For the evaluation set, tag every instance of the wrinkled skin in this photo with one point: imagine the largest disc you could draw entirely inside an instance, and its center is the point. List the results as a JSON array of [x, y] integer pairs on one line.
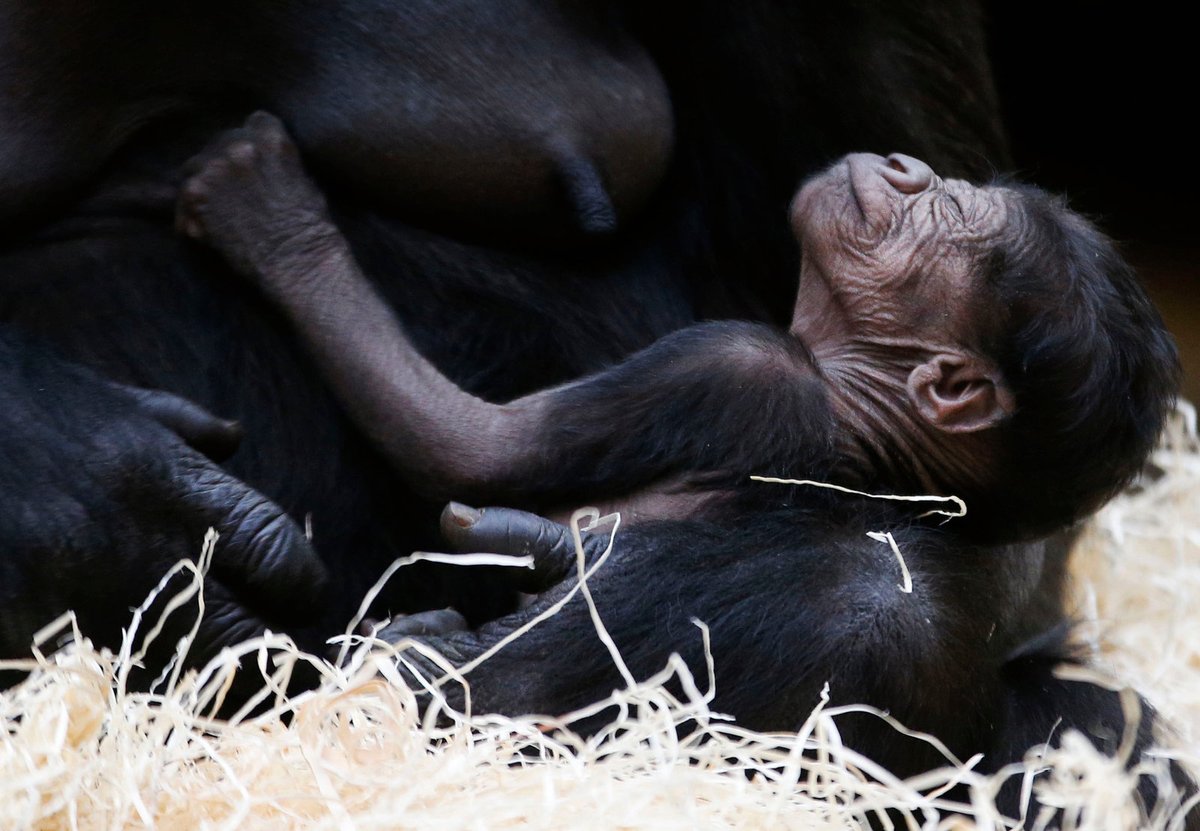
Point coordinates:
[[883, 260], [152, 456], [892, 266]]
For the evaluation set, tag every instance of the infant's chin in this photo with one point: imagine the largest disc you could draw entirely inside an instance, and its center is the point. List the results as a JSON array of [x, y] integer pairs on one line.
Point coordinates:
[[822, 197]]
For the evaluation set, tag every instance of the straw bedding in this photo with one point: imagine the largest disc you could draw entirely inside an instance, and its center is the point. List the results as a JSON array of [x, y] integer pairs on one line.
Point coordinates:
[[81, 751]]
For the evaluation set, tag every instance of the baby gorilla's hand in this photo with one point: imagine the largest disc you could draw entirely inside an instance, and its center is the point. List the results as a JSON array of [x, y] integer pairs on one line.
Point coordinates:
[[248, 196], [420, 624]]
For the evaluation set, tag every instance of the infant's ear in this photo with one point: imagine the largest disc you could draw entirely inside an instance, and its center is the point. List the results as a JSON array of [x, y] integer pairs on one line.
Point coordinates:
[[960, 393]]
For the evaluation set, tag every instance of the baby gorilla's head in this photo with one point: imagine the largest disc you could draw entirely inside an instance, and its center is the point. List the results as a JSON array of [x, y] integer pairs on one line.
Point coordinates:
[[1085, 353], [982, 341]]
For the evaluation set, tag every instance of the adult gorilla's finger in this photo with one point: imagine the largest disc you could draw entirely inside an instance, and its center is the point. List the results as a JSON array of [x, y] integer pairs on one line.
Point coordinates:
[[261, 554], [217, 438], [517, 533]]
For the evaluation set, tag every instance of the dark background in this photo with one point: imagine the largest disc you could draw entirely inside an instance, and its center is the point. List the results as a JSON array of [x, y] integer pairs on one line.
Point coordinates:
[[1099, 102]]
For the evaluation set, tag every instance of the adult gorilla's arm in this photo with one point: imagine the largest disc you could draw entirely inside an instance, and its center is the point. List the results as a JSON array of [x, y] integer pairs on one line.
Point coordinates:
[[103, 488]]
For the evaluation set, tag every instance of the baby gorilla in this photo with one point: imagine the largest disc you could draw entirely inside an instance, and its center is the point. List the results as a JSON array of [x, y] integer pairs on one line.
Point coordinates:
[[984, 342]]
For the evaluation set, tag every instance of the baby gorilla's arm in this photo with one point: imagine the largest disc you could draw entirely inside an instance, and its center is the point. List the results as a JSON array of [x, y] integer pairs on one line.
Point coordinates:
[[702, 399], [249, 198]]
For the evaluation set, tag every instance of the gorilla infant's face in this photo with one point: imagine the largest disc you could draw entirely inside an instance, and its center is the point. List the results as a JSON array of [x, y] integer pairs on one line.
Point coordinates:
[[890, 250]]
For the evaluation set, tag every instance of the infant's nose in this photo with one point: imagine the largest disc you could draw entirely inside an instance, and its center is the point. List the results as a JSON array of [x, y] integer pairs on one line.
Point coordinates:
[[906, 174]]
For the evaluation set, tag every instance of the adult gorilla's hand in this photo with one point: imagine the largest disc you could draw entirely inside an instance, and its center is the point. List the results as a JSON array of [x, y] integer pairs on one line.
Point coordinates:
[[104, 487]]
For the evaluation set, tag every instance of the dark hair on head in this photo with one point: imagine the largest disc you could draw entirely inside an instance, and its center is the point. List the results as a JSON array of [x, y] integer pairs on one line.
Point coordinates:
[[1090, 363]]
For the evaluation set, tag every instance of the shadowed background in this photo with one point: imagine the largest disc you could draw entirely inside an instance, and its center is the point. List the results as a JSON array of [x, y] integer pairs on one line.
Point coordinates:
[[1098, 100]]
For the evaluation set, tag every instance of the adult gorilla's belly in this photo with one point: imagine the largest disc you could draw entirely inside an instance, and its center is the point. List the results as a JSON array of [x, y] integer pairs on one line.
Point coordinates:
[[523, 117], [517, 119]]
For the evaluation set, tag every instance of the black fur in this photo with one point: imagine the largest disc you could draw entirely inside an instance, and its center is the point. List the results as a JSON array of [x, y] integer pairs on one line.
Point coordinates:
[[969, 655], [95, 288], [1088, 358]]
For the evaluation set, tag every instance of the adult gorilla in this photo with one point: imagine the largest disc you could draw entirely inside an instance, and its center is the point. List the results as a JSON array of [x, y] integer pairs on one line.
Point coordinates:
[[103, 483], [98, 493]]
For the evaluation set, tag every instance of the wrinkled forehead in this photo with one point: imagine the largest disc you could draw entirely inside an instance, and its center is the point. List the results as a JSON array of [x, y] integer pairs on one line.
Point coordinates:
[[1001, 225], [938, 258], [968, 223], [1035, 218], [982, 213], [944, 235]]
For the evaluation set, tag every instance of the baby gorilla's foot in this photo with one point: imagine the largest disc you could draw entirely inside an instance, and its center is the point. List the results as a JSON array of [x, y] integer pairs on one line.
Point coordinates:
[[247, 196]]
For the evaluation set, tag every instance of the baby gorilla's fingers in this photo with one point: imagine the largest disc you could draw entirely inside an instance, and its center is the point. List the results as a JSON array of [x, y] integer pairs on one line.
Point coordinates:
[[270, 132], [260, 130], [188, 220], [202, 172], [215, 163], [516, 533], [247, 196], [435, 622]]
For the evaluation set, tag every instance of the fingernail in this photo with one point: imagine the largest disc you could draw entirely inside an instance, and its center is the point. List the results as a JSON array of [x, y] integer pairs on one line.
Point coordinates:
[[463, 516]]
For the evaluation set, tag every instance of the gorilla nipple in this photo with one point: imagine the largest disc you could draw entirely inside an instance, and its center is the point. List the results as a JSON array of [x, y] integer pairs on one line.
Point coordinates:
[[587, 193]]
